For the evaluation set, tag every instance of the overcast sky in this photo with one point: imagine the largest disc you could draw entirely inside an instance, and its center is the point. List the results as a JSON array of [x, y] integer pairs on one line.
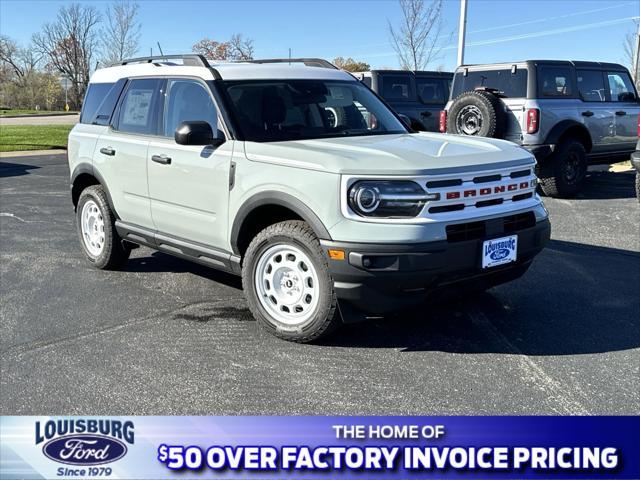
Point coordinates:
[[498, 30]]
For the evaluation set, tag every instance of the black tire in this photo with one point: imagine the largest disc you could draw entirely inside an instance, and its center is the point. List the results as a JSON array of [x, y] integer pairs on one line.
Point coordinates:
[[563, 173], [638, 186], [114, 253], [477, 113], [325, 317]]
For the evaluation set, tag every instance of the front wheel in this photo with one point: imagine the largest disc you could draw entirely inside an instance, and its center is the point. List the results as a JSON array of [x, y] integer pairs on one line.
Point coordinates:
[[287, 283], [563, 173]]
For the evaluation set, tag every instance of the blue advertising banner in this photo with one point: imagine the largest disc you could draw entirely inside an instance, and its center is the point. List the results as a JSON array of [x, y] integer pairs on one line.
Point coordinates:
[[319, 447]]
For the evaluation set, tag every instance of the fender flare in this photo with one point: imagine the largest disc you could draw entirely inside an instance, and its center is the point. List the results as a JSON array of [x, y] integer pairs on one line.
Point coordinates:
[[87, 168], [561, 128], [283, 200]]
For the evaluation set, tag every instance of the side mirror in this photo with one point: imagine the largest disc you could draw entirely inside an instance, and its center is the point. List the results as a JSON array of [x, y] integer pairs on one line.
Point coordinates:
[[196, 133]]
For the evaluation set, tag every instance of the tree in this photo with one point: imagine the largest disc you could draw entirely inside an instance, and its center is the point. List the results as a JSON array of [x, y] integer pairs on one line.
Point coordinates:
[[121, 36], [416, 39], [70, 44], [237, 48], [240, 48], [351, 65], [18, 62], [631, 53]]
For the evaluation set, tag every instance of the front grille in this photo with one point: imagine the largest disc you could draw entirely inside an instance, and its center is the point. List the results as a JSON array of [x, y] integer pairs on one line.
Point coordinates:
[[518, 222], [478, 190], [465, 231], [462, 232]]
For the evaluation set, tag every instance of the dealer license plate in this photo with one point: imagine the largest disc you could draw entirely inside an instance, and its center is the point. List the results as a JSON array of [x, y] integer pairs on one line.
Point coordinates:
[[499, 251]]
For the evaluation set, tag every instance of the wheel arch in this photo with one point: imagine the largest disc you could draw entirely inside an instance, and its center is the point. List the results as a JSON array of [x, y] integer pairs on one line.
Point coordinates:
[[570, 128], [83, 176], [266, 208]]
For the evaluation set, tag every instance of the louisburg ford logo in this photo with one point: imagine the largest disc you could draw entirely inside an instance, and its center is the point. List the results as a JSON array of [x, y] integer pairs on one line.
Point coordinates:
[[84, 442], [500, 250]]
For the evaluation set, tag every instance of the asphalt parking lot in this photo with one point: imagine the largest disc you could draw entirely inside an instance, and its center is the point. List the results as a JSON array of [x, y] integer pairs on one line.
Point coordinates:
[[169, 337]]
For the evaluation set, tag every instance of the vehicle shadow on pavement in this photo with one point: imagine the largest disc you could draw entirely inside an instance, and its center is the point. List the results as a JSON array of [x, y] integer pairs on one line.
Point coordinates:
[[15, 169], [608, 185], [575, 299], [162, 262]]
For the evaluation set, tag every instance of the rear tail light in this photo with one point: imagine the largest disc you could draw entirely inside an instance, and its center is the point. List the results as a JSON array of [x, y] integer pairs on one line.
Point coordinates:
[[443, 121], [533, 120]]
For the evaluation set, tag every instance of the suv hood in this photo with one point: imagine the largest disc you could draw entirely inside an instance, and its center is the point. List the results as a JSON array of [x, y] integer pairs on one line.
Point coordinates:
[[401, 154]]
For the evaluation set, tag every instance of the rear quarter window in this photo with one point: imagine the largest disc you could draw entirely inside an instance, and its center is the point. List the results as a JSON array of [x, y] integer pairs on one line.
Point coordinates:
[[397, 88], [512, 85], [555, 82], [96, 93]]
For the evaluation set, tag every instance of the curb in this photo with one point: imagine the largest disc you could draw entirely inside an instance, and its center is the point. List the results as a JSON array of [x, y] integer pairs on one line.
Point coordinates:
[[35, 115]]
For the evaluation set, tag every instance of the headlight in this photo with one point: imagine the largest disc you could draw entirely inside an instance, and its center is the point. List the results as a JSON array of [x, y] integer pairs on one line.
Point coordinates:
[[388, 198]]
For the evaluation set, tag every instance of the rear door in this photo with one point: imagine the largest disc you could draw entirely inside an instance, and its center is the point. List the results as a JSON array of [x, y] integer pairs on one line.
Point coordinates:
[[624, 103], [432, 93], [188, 184], [121, 152], [595, 111]]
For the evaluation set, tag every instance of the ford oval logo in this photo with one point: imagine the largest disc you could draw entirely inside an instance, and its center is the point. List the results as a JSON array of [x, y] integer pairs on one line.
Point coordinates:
[[499, 254], [84, 449]]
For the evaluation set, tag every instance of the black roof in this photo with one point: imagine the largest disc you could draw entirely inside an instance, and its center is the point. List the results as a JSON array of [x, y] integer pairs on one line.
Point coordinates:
[[574, 63], [414, 72]]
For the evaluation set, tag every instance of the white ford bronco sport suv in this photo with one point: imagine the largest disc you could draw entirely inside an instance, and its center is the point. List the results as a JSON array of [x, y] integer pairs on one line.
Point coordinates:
[[299, 178]]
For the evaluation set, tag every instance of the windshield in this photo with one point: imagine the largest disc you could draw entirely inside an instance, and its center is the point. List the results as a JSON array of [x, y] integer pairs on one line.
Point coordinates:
[[278, 110]]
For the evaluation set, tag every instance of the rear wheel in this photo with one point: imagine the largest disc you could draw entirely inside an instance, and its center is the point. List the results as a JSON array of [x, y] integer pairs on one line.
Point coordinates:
[[95, 221], [563, 173], [287, 283]]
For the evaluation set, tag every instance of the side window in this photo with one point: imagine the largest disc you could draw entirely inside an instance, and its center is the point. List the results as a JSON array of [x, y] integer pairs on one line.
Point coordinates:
[[139, 107], [591, 85], [620, 87], [397, 87], [432, 90], [188, 100], [555, 81], [96, 93]]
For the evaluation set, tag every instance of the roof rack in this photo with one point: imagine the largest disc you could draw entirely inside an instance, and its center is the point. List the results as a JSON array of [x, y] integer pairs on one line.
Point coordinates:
[[190, 59], [309, 62], [193, 60]]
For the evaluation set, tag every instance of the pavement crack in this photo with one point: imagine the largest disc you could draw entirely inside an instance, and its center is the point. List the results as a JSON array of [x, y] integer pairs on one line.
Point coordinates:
[[562, 397]]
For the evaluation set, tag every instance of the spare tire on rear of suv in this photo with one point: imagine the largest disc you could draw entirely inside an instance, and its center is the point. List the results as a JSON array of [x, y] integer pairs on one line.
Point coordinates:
[[478, 113]]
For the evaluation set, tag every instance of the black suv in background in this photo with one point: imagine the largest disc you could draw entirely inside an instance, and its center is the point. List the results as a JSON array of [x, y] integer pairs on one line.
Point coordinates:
[[419, 95]]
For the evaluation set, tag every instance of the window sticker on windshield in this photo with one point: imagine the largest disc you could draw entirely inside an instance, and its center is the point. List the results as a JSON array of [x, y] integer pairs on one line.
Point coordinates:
[[137, 107]]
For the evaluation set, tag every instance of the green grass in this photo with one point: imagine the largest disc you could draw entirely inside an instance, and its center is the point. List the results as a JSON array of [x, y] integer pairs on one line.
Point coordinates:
[[33, 137], [10, 113]]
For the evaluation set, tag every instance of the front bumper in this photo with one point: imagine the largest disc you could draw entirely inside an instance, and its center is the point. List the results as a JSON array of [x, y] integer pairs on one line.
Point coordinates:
[[378, 279], [635, 160]]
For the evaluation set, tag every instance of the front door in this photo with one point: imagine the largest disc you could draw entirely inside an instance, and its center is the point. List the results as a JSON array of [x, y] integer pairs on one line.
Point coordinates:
[[189, 185], [624, 103], [594, 109]]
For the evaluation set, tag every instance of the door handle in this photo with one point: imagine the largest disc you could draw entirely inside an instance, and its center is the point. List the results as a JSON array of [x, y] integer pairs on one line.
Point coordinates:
[[162, 159], [621, 113], [588, 113], [426, 113], [108, 151]]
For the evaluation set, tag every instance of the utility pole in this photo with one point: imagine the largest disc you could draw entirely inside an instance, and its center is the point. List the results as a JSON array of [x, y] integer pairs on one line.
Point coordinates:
[[462, 31], [636, 63]]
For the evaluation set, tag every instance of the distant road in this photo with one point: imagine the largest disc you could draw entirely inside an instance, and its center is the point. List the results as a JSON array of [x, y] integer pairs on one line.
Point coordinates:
[[42, 120]]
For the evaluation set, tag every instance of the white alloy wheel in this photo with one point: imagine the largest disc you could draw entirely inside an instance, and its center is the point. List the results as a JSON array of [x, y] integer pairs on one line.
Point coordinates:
[[287, 284], [92, 225]]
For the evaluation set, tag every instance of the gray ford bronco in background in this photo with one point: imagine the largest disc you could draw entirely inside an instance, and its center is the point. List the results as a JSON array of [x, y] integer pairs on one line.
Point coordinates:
[[563, 112], [270, 171], [419, 95]]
